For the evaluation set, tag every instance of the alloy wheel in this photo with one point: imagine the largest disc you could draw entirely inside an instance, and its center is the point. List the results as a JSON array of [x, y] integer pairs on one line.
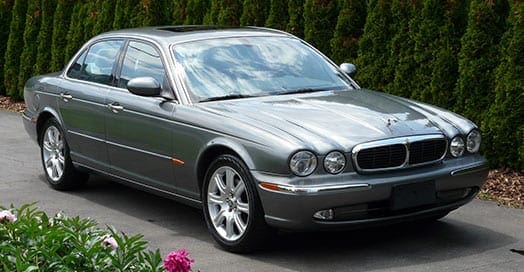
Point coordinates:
[[228, 203], [53, 153]]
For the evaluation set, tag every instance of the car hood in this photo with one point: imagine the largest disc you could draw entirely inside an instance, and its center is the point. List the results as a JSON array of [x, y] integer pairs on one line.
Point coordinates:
[[329, 120]]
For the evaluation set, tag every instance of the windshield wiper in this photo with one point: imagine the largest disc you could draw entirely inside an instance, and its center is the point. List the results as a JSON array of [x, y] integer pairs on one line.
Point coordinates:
[[303, 90], [226, 97]]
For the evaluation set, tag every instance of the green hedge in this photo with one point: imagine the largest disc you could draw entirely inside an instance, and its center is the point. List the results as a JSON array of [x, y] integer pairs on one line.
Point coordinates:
[[463, 55]]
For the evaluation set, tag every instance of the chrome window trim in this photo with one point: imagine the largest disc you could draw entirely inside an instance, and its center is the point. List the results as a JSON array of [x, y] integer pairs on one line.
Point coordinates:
[[86, 48], [405, 141], [166, 60]]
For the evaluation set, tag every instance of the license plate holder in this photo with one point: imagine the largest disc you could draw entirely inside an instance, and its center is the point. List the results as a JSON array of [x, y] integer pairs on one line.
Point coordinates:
[[404, 196]]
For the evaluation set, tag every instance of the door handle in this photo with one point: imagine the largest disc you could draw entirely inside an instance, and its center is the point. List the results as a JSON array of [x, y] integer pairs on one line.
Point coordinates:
[[66, 97], [115, 107]]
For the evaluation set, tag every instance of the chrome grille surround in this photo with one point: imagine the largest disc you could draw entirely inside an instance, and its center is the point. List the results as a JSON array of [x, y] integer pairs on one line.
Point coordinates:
[[405, 141]]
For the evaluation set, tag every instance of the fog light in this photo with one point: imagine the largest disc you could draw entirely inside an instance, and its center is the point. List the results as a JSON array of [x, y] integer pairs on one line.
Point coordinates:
[[325, 214]]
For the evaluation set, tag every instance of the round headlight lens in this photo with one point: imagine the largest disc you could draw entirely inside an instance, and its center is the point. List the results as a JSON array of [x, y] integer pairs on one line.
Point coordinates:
[[303, 163], [473, 141], [334, 162], [456, 148]]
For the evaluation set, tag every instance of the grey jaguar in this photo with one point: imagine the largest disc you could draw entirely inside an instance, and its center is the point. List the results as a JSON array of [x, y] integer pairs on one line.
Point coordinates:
[[254, 126]]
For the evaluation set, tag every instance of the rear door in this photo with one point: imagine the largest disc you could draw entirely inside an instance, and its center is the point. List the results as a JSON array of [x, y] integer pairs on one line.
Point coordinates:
[[139, 131], [82, 102]]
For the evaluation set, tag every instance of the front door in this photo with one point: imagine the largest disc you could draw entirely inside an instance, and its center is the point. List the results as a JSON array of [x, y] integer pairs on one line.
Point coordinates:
[[139, 133]]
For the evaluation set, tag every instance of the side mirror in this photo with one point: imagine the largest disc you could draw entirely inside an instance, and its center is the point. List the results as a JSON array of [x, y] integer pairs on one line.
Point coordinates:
[[348, 68], [144, 86]]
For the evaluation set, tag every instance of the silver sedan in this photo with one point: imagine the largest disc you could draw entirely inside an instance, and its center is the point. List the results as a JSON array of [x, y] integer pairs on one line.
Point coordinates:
[[254, 126]]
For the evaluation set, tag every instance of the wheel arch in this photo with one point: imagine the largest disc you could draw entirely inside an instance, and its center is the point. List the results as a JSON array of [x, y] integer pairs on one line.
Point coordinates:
[[43, 116], [215, 148]]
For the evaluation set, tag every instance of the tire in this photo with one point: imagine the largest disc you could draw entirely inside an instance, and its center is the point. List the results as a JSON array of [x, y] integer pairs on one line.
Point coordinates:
[[56, 161], [232, 208]]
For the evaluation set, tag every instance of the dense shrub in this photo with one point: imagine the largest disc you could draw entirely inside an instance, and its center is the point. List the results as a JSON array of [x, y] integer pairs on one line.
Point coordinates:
[[350, 26], [405, 21], [211, 16], [5, 19], [154, 12], [504, 124], [296, 18], [230, 12], [254, 12], [44, 39], [278, 15], [75, 35], [15, 46], [28, 56], [61, 22], [105, 17], [196, 10], [91, 10], [320, 19], [374, 47], [30, 240], [444, 67], [179, 12], [478, 57]]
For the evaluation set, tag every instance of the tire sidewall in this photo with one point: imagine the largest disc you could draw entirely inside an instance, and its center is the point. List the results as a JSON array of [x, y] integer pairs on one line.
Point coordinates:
[[254, 206], [67, 161]]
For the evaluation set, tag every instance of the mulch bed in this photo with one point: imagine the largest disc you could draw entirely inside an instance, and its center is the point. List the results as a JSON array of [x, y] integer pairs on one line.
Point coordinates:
[[9, 104], [505, 186]]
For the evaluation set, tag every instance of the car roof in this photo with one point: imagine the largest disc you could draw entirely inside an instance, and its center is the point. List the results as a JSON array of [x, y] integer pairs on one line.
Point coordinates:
[[179, 34]]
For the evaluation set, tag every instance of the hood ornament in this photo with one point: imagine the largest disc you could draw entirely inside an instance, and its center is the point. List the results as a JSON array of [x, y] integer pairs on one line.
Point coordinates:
[[390, 121]]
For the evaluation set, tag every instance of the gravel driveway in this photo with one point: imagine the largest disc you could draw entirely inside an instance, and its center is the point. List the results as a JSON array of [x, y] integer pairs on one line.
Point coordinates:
[[477, 237]]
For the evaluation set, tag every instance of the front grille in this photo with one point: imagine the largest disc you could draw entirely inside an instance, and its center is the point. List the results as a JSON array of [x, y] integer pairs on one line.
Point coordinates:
[[393, 153], [426, 151], [382, 157]]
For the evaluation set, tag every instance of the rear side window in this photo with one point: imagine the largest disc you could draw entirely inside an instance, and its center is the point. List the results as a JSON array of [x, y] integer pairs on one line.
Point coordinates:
[[141, 60], [97, 65]]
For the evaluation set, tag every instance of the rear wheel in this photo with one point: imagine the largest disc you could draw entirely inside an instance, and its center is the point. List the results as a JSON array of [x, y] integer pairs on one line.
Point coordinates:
[[58, 167], [232, 208]]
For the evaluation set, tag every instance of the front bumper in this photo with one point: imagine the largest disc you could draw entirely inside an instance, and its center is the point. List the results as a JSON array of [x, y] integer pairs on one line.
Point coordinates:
[[360, 200]]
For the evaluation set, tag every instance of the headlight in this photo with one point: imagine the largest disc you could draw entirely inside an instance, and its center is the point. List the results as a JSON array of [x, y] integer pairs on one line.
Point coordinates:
[[457, 146], [473, 141], [303, 163], [334, 162]]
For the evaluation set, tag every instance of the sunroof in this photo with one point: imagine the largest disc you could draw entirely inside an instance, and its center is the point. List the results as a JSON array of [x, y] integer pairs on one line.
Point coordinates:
[[189, 28]]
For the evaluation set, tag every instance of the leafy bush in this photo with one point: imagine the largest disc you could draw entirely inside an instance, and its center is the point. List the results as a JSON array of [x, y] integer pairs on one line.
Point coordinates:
[[32, 241]]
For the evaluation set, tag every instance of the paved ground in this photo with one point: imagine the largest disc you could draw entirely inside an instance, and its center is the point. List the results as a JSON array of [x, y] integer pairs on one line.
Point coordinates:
[[477, 237]]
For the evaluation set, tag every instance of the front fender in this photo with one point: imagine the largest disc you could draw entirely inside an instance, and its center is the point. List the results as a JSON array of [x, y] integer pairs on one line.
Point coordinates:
[[222, 142]]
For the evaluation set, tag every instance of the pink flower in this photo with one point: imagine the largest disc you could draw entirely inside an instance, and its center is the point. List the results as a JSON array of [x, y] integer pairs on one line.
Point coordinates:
[[178, 261], [109, 241], [7, 216]]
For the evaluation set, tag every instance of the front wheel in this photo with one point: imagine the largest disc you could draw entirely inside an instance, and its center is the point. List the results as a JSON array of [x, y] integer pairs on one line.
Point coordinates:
[[58, 167], [232, 209]]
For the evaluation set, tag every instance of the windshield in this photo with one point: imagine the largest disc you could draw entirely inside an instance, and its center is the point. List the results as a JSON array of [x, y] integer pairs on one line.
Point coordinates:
[[254, 66]]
